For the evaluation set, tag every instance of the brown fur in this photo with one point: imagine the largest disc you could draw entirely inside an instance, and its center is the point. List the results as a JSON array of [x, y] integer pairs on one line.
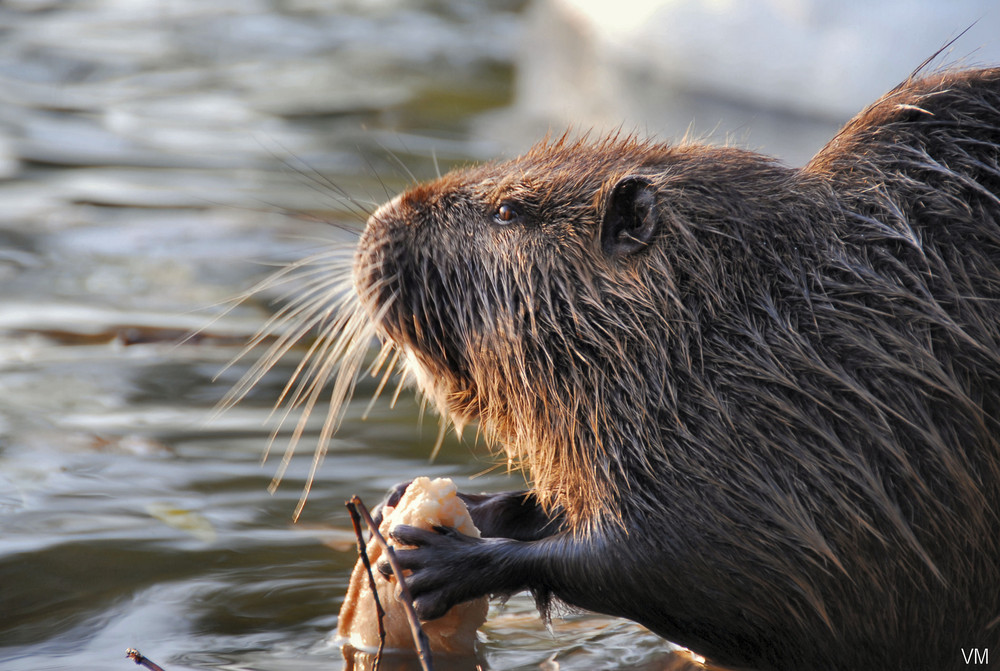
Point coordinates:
[[766, 414]]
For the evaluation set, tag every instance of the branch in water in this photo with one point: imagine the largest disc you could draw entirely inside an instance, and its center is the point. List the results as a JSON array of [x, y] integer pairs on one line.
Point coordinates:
[[137, 657], [363, 553], [420, 639]]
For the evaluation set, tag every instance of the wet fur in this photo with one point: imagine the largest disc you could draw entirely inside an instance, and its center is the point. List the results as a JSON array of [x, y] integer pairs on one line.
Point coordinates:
[[768, 430]]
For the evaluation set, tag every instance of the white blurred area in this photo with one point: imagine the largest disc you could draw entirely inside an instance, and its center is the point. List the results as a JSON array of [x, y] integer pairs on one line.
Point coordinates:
[[774, 75]]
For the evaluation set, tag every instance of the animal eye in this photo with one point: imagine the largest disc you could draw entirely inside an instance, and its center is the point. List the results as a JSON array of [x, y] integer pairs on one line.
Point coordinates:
[[505, 213]]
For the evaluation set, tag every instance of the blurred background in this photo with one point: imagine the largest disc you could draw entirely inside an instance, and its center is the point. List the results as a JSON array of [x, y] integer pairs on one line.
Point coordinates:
[[159, 157]]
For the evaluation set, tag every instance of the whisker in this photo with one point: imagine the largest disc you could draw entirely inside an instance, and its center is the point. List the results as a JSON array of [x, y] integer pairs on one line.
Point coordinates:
[[390, 369], [342, 390], [319, 311], [310, 387], [287, 326], [330, 347], [399, 387], [399, 161], [442, 430], [422, 412], [381, 385], [486, 471], [374, 172], [318, 181], [299, 320], [387, 347]]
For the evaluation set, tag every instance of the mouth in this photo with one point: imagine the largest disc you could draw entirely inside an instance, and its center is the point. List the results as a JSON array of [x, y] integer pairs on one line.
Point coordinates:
[[403, 293], [404, 337]]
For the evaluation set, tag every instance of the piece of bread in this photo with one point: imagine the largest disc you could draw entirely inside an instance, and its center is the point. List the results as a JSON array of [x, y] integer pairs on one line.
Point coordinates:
[[426, 503]]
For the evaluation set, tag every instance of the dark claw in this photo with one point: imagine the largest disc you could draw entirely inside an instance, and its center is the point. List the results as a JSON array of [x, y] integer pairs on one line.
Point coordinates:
[[409, 541], [429, 609], [404, 534]]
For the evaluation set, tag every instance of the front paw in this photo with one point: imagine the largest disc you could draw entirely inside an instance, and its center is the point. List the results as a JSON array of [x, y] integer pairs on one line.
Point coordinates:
[[446, 567]]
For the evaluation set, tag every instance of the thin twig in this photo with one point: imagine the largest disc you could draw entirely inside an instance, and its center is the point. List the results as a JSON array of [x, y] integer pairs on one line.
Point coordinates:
[[420, 639], [363, 553], [137, 657]]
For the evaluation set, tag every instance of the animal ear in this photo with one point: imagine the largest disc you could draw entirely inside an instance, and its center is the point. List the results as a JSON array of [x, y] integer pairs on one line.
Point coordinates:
[[630, 217]]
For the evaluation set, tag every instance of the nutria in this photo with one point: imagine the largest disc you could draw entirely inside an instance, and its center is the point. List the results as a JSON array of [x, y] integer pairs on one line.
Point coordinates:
[[759, 405]]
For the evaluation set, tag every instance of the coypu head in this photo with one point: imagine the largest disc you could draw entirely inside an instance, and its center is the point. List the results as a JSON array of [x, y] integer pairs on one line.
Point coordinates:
[[468, 271], [538, 297]]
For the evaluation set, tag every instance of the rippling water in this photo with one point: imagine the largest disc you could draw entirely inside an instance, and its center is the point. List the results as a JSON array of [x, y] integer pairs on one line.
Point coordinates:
[[156, 157]]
